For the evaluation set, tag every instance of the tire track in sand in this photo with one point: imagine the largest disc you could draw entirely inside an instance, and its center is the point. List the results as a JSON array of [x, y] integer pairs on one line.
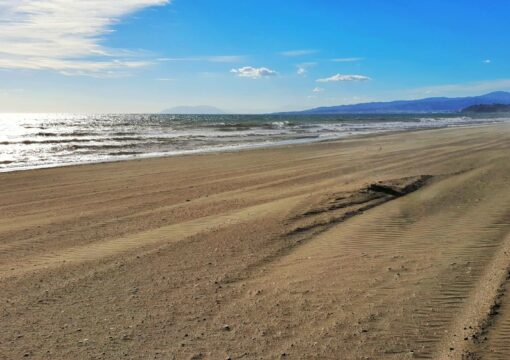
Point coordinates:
[[165, 234], [401, 281]]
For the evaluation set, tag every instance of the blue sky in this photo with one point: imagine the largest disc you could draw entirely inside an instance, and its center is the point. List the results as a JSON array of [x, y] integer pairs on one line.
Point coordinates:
[[246, 56]]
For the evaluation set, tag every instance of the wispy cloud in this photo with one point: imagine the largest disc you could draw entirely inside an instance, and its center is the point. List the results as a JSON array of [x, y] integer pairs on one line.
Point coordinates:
[[302, 69], [165, 79], [340, 77], [295, 53], [318, 90], [216, 58], [65, 35], [348, 59], [253, 73], [110, 68]]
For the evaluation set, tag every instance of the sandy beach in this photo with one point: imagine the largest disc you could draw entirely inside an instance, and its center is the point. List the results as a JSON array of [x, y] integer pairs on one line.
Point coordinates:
[[393, 246]]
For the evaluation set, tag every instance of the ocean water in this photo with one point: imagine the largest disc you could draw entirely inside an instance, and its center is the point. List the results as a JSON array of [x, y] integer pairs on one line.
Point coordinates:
[[45, 140]]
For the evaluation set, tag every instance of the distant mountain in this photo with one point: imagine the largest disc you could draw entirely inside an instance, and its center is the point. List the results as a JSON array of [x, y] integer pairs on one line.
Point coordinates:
[[489, 108], [429, 105], [201, 109]]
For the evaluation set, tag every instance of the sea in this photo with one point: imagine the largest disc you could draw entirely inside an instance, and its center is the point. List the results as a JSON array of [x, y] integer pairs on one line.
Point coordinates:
[[29, 141]]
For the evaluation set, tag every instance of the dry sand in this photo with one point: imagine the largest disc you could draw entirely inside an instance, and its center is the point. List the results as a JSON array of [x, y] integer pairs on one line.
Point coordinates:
[[385, 247]]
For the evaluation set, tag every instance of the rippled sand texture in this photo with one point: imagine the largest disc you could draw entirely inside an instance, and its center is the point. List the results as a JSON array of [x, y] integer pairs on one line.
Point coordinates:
[[385, 247]]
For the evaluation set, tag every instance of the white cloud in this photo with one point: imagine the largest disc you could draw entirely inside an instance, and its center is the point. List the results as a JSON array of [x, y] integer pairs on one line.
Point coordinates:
[[350, 59], [318, 90], [254, 73], [65, 35], [294, 53], [217, 58], [487, 61], [340, 77], [302, 69]]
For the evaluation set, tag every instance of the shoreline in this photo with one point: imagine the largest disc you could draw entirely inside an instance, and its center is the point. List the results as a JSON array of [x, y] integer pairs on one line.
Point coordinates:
[[241, 148]]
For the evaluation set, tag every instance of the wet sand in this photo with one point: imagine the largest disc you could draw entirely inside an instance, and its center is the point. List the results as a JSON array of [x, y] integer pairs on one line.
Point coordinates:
[[394, 246]]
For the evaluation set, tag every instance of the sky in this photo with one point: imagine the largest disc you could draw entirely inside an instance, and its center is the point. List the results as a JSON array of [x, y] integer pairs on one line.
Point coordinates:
[[139, 56]]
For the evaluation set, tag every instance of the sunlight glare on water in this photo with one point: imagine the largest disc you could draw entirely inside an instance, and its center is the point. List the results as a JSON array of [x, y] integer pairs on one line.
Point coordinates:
[[45, 140]]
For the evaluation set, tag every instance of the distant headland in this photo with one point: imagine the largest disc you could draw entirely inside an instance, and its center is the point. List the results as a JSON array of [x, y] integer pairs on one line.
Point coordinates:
[[428, 105], [488, 108]]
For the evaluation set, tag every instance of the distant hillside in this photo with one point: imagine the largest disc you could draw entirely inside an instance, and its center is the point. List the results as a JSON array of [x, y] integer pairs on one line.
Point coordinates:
[[429, 105], [201, 109], [487, 108]]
